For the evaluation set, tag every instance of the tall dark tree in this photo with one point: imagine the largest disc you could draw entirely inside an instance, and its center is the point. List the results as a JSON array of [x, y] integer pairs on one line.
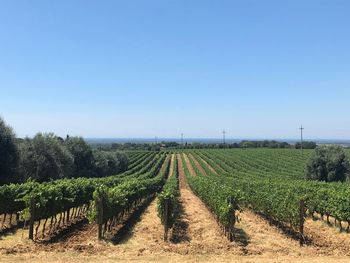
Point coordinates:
[[45, 158], [123, 161], [82, 155], [109, 163], [9, 155], [328, 163]]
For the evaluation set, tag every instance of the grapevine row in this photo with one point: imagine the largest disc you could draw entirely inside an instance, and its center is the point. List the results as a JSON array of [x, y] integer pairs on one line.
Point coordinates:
[[112, 203], [221, 199], [280, 198], [168, 200]]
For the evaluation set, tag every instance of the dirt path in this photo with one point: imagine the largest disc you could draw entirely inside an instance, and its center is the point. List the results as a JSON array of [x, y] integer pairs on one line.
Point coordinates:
[[196, 237], [196, 231], [260, 238], [197, 164], [208, 165], [81, 237], [41, 257], [189, 165], [171, 170], [203, 234], [254, 235], [326, 238], [146, 237], [182, 177]]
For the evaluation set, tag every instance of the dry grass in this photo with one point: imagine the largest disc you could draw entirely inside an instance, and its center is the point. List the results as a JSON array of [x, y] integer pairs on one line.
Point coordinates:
[[327, 239], [182, 178], [77, 258], [209, 166], [171, 171], [198, 165], [189, 165], [196, 237]]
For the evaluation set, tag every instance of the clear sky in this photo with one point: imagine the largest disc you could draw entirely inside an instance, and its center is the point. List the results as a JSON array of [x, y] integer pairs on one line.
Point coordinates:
[[144, 68]]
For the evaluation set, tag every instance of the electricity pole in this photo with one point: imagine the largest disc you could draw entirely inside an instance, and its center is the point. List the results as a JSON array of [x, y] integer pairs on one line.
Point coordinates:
[[301, 138], [223, 137], [182, 140]]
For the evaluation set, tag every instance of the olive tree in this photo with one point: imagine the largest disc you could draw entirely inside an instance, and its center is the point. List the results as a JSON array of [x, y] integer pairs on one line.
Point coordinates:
[[45, 158], [109, 163], [82, 155], [122, 160], [9, 156], [328, 163]]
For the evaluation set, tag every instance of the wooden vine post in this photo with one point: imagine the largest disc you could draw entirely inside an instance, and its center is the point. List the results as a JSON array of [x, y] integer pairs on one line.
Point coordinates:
[[301, 220], [17, 218], [166, 219], [100, 217], [232, 220], [31, 220]]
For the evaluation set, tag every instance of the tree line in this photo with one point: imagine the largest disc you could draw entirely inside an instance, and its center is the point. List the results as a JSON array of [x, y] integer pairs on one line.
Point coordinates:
[[47, 157], [200, 145]]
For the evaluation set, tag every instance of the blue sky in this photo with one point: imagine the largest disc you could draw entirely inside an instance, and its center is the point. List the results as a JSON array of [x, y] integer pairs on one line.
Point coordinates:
[[158, 68]]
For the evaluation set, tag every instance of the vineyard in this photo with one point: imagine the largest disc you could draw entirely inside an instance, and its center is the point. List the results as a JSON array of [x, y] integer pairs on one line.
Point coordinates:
[[221, 203]]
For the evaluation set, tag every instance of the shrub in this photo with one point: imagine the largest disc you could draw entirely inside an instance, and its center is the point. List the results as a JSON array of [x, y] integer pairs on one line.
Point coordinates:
[[327, 163]]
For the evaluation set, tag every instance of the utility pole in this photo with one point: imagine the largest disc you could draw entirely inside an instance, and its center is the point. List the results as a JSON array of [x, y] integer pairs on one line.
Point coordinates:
[[223, 137], [301, 138], [182, 140]]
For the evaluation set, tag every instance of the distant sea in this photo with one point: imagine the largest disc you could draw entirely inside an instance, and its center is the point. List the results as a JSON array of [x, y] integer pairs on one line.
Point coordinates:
[[205, 140]]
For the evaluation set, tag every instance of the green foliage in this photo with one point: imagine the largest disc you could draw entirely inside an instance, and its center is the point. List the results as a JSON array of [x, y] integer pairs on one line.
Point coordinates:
[[222, 199], [9, 156], [269, 182], [45, 158], [60, 195], [260, 163], [328, 163], [11, 196], [264, 144], [107, 163], [277, 201], [48, 157], [170, 195], [83, 157], [53, 198], [120, 199], [306, 145]]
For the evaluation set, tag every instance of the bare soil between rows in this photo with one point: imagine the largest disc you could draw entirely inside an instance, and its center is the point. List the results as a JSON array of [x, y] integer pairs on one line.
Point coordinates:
[[195, 237]]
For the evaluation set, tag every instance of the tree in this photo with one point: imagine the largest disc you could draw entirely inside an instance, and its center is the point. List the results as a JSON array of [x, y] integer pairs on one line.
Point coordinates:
[[45, 158], [328, 163], [9, 155], [82, 156], [109, 163], [306, 145], [123, 161]]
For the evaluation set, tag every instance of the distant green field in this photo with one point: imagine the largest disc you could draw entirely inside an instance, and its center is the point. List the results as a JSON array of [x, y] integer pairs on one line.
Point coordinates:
[[262, 163]]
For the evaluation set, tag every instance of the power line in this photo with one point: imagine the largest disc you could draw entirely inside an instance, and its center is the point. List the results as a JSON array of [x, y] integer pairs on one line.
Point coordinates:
[[223, 137], [182, 139], [301, 138]]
